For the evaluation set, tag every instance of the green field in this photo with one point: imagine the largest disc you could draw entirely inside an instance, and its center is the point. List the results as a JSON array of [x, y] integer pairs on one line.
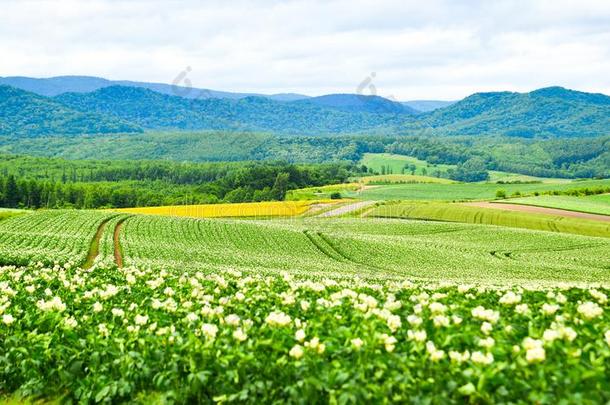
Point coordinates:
[[175, 310], [490, 216], [594, 204], [467, 191], [397, 162]]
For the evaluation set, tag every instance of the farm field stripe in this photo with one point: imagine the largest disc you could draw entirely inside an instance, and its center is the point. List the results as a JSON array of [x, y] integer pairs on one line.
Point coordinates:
[[94, 248], [346, 209], [118, 257], [540, 210]]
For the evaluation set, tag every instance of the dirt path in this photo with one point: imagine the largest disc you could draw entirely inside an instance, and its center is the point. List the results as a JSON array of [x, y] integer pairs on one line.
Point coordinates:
[[118, 256], [540, 210], [345, 209], [94, 247]]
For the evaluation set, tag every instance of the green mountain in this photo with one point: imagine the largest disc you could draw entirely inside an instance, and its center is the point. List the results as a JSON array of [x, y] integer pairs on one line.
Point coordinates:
[[54, 86], [547, 112], [24, 113], [153, 110], [359, 103]]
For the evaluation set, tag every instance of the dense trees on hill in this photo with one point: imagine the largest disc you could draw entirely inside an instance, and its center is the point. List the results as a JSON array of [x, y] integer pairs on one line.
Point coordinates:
[[126, 184]]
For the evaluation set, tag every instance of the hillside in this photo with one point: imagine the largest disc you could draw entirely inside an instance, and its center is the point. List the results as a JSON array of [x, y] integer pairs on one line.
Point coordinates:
[[54, 86], [25, 113], [358, 102], [154, 110], [548, 112]]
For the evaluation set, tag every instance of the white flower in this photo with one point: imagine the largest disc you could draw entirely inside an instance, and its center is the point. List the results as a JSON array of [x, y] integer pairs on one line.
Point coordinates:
[[296, 352], [117, 312], [480, 358], [418, 335], [192, 317], [239, 335], [487, 342], [414, 320], [305, 305], [437, 308], [70, 323], [55, 304], [315, 344], [590, 310], [435, 354], [607, 336], [549, 309], [209, 330], [97, 307], [141, 319], [599, 296], [534, 350], [510, 298], [440, 321], [456, 319], [486, 328], [300, 335], [389, 342], [8, 319], [103, 329], [485, 314], [30, 289], [278, 318], [393, 322], [357, 343], [522, 309], [232, 320], [239, 296], [550, 335], [458, 357]]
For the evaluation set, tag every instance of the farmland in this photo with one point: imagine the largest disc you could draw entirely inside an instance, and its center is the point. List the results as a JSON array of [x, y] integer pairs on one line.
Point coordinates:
[[491, 216], [469, 191], [264, 209], [204, 310], [594, 204]]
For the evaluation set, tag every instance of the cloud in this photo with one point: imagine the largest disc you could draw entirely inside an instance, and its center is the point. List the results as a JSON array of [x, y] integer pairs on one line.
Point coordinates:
[[438, 49]]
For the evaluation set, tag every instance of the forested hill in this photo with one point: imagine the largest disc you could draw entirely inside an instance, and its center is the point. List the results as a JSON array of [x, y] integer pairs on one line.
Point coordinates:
[[154, 110], [25, 113], [550, 112]]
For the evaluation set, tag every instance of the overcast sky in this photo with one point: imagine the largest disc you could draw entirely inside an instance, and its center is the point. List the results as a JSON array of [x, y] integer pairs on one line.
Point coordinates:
[[432, 49]]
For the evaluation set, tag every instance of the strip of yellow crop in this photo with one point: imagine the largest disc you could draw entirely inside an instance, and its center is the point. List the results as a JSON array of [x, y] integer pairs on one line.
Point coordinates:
[[259, 209]]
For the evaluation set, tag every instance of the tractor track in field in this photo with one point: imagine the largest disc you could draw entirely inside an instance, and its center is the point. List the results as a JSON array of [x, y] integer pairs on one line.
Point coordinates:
[[94, 246], [118, 255], [326, 246], [539, 210]]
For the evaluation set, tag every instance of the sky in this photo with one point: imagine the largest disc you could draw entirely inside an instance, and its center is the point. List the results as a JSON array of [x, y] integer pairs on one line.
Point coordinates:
[[400, 49]]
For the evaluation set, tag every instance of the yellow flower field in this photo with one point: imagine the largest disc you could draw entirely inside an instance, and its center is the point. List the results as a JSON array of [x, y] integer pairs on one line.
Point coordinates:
[[256, 209]]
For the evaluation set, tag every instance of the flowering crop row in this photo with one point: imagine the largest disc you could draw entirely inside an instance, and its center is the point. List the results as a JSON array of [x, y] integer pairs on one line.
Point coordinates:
[[50, 237], [369, 247], [189, 336]]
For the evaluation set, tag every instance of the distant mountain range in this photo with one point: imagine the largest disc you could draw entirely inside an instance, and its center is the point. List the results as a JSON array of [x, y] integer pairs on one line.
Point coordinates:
[[54, 86], [548, 112]]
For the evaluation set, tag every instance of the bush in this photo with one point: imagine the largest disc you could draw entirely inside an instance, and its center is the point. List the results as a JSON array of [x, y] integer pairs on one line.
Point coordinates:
[[501, 194], [335, 196]]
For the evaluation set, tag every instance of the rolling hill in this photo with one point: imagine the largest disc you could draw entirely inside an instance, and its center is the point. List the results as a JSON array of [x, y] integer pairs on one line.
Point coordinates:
[[27, 114], [547, 112], [159, 111], [361, 103], [54, 86]]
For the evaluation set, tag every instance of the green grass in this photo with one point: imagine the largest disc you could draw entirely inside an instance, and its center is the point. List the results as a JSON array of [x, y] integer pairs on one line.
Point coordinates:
[[321, 193], [466, 191], [475, 215], [594, 204], [398, 162]]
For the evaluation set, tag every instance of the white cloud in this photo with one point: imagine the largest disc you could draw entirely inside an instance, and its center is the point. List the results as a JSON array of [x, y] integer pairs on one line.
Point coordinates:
[[437, 49]]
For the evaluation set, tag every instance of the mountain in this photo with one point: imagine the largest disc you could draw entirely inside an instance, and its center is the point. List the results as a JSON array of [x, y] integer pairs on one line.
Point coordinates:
[[25, 113], [54, 86], [154, 110], [547, 112], [427, 105], [359, 103]]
